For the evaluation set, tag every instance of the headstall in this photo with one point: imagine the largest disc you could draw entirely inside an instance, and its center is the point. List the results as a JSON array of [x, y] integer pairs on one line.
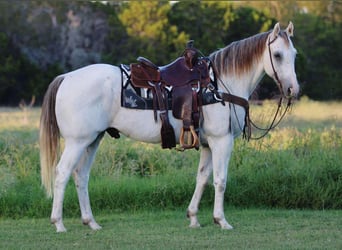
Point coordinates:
[[227, 97]]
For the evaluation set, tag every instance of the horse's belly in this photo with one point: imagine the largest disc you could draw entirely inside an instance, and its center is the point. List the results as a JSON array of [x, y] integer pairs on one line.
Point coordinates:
[[140, 125]]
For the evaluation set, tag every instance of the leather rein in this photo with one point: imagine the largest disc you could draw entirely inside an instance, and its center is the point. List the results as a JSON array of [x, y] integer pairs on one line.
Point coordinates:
[[227, 97]]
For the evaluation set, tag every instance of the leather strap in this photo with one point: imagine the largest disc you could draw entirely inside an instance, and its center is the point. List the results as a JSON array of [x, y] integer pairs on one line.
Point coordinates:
[[280, 85], [247, 131], [161, 100], [235, 100]]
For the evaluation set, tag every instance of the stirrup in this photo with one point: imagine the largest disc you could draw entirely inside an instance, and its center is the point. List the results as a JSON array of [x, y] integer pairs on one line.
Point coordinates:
[[188, 139]]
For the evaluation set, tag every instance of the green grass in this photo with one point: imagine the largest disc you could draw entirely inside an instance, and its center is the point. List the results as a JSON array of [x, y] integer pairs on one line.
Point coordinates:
[[139, 192], [168, 229], [297, 166]]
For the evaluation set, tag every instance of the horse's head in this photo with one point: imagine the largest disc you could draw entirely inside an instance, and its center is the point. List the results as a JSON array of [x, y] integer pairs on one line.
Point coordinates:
[[279, 60]]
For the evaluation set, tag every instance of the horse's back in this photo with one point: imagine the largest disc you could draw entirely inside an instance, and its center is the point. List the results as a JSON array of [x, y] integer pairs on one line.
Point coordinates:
[[86, 98], [91, 73]]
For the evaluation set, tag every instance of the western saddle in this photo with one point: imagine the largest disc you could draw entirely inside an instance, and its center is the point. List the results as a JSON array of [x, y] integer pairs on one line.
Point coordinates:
[[185, 76]]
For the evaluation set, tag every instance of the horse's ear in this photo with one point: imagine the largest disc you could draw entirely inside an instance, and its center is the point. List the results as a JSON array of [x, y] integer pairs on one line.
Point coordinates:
[[275, 31], [289, 29]]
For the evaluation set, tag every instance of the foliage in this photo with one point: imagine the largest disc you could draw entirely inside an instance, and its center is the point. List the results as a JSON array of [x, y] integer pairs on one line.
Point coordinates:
[[322, 56], [194, 19], [147, 22], [20, 78], [158, 30], [13, 72], [241, 27]]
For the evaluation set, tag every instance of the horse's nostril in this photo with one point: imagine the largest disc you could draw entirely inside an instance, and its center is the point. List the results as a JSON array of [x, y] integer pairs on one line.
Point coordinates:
[[290, 91]]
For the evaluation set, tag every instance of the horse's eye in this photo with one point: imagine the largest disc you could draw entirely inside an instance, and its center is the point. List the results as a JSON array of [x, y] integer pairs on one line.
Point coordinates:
[[277, 55]]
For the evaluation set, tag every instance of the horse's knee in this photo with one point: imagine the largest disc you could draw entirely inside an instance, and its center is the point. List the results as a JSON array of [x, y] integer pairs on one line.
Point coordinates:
[[62, 176], [79, 181], [220, 185]]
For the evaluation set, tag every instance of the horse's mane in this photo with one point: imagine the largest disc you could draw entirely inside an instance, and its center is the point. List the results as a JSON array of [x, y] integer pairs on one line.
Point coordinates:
[[238, 57]]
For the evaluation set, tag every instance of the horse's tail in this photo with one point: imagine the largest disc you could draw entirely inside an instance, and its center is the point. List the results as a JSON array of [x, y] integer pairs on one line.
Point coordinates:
[[49, 136]]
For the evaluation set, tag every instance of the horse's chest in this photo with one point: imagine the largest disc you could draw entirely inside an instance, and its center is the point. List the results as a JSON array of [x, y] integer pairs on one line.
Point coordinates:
[[219, 120]]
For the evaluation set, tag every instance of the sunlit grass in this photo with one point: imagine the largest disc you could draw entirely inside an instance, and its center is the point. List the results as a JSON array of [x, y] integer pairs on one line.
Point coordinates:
[[16, 118], [303, 114], [316, 111]]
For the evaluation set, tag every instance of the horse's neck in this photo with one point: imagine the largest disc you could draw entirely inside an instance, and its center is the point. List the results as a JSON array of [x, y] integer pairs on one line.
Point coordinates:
[[242, 85]]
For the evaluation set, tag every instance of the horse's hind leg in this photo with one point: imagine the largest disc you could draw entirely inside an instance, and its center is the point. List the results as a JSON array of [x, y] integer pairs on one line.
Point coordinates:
[[203, 174], [81, 178], [71, 155]]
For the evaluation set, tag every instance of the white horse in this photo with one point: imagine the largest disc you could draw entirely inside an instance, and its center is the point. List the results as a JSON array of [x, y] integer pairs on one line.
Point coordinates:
[[81, 105]]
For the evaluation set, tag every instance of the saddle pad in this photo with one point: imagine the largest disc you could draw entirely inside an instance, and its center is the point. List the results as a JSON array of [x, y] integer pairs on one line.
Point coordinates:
[[130, 99], [140, 98]]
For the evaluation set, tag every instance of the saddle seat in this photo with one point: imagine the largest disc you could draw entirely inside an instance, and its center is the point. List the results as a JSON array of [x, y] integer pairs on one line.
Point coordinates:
[[175, 74], [185, 76]]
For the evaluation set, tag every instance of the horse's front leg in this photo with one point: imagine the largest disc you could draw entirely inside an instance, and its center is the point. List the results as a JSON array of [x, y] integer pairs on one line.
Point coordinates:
[[204, 171], [221, 150]]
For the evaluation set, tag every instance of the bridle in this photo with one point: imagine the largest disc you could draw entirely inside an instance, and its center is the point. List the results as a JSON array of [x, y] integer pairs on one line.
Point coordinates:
[[227, 97], [280, 86]]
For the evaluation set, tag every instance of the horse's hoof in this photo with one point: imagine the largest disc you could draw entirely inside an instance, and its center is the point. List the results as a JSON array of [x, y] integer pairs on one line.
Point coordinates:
[[226, 227], [60, 228], [94, 226], [194, 225], [59, 225], [91, 223], [223, 223], [193, 220]]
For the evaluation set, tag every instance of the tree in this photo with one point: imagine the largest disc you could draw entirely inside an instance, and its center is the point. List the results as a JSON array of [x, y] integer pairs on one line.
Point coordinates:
[[248, 22], [147, 21], [19, 78], [34, 36], [330, 11], [119, 46], [320, 45], [204, 22]]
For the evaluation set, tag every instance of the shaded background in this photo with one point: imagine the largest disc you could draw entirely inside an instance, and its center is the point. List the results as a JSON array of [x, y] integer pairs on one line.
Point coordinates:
[[41, 39]]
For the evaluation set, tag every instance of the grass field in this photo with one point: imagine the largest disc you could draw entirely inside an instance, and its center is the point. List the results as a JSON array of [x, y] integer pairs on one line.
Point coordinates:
[[167, 229], [284, 191]]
